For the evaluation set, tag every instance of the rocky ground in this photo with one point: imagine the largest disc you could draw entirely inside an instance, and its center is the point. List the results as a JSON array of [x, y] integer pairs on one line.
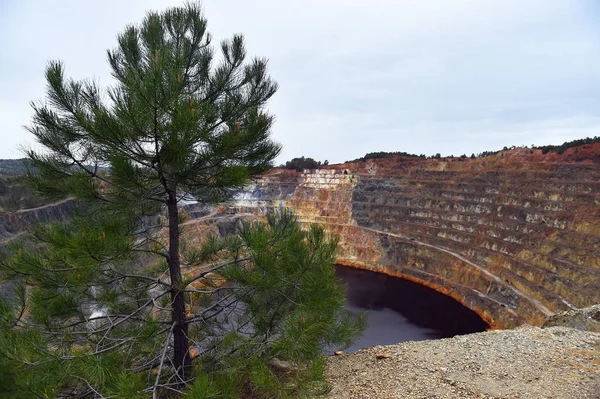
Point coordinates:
[[527, 362]]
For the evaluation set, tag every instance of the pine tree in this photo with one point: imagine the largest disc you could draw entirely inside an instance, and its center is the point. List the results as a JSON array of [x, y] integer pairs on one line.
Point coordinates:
[[115, 302]]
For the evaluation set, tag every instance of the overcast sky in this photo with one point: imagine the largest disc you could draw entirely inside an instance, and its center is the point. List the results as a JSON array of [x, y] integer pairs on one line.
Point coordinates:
[[356, 76]]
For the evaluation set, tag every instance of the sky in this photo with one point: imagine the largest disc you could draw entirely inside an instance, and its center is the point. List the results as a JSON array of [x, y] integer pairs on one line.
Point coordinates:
[[355, 76]]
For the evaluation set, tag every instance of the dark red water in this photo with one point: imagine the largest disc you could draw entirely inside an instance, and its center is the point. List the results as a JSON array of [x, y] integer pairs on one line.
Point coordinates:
[[399, 310]]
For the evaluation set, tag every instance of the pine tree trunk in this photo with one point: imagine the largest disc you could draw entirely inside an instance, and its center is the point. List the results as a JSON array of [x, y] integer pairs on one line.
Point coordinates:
[[181, 360]]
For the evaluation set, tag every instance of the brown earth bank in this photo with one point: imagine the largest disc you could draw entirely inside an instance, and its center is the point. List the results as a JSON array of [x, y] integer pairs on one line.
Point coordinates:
[[514, 236]]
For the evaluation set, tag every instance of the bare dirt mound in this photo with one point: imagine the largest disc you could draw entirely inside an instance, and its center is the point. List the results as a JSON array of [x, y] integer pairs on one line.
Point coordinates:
[[528, 362]]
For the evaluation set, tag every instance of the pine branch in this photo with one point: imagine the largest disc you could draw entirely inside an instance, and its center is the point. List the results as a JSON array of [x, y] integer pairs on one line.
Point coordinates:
[[162, 360], [213, 269]]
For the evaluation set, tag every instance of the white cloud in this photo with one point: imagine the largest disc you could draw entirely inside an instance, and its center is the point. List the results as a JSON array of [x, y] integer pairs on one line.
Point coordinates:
[[420, 76]]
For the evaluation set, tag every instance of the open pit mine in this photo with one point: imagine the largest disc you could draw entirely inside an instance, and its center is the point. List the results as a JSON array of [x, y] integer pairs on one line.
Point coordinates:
[[514, 237]]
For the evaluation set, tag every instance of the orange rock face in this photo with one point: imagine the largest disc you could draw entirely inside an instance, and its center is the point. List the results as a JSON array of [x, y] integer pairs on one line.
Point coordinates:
[[514, 236]]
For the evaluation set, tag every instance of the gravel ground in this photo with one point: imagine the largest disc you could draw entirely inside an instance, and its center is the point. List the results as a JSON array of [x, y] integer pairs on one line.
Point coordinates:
[[527, 362]]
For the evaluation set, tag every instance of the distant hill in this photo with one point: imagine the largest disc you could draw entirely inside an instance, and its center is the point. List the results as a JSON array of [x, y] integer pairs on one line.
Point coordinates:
[[558, 149], [13, 166], [15, 194]]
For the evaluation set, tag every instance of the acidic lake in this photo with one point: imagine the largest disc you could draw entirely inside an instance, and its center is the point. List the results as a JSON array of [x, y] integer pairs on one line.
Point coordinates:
[[399, 310]]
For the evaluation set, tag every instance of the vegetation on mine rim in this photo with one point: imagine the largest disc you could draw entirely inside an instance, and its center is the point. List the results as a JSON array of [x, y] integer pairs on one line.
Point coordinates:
[[559, 149], [309, 163]]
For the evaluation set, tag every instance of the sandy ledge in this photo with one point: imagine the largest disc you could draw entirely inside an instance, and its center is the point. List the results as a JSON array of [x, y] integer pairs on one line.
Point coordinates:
[[527, 362]]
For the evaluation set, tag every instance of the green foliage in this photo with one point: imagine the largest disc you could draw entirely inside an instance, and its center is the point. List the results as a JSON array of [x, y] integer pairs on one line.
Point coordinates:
[[293, 308], [487, 154], [299, 164], [568, 144], [25, 369], [384, 154], [204, 387], [281, 303], [117, 305], [545, 149], [174, 118]]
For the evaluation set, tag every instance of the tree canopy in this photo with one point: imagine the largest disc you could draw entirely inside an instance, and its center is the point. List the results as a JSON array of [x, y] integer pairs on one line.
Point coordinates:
[[299, 164], [115, 302]]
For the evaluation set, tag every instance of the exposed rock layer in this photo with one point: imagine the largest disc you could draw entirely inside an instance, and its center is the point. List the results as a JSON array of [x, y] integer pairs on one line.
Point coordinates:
[[13, 223], [515, 237], [587, 319]]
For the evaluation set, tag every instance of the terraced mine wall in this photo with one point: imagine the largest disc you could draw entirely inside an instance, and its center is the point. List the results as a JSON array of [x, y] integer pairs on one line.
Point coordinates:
[[514, 237], [14, 223]]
